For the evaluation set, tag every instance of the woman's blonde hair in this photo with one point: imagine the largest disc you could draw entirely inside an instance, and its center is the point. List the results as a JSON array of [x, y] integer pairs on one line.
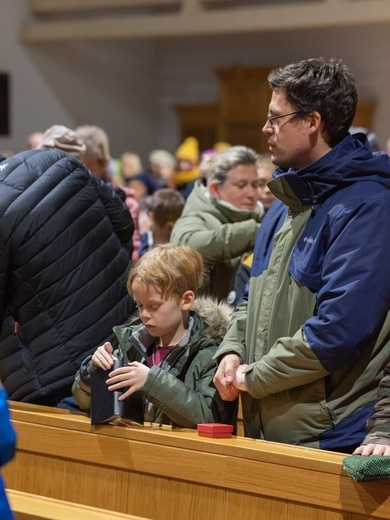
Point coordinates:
[[172, 269]]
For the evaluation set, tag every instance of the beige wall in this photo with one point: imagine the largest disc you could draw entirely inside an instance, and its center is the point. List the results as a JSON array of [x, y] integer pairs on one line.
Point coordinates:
[[130, 87]]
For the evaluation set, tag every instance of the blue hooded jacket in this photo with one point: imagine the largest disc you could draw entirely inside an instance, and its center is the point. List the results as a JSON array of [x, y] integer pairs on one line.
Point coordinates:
[[342, 258], [349, 184]]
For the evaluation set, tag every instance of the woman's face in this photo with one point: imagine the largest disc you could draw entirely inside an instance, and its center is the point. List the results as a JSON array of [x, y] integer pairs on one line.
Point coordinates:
[[240, 188]]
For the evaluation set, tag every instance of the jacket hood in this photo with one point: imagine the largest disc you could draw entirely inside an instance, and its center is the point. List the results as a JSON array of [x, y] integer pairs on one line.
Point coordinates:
[[200, 199], [215, 314], [350, 161]]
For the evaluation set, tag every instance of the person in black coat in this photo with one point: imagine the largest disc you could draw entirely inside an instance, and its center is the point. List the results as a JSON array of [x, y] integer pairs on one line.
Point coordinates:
[[65, 238]]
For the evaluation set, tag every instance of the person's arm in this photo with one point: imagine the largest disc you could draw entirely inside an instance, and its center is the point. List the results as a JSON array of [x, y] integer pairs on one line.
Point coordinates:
[[192, 401], [81, 388], [352, 303], [230, 354], [117, 211], [215, 242], [377, 441]]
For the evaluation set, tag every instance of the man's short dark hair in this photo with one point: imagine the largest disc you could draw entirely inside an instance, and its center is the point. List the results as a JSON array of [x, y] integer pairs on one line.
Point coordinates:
[[319, 85]]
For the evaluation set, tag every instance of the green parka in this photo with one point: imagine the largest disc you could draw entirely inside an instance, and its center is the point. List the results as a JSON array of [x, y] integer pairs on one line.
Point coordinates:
[[180, 391], [221, 233]]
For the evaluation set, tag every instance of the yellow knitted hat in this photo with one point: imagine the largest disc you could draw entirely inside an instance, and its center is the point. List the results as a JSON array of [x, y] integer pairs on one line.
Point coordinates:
[[221, 145], [189, 150]]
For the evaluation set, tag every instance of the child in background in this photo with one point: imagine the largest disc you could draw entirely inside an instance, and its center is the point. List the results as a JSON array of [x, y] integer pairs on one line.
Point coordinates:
[[163, 208], [167, 350]]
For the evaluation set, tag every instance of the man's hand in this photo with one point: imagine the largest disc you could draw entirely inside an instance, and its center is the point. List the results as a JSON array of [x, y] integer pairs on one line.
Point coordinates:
[[373, 449], [225, 375]]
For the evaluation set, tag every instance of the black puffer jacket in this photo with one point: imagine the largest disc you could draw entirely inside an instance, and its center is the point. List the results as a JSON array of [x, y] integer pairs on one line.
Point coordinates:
[[63, 271]]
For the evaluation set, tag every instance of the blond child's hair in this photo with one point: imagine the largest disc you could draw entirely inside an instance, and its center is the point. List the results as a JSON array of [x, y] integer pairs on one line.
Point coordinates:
[[172, 269]]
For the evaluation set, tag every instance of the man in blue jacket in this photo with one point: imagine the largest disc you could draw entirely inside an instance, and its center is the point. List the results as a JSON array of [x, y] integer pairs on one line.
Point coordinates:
[[308, 345], [65, 238]]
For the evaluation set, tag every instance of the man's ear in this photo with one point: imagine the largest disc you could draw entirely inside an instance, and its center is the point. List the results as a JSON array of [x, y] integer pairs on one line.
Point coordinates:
[[213, 189], [187, 300], [314, 120]]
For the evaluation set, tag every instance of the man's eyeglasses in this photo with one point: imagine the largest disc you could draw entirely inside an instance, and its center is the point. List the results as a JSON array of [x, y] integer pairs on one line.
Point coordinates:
[[271, 119]]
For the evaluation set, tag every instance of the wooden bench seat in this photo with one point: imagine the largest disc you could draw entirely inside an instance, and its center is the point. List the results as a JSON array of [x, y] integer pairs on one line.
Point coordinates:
[[27, 506]]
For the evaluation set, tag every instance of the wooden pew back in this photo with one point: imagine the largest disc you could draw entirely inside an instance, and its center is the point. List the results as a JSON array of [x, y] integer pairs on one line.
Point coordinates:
[[165, 475]]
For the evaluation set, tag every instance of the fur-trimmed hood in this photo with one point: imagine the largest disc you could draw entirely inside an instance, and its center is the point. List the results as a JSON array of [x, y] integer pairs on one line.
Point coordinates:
[[216, 314]]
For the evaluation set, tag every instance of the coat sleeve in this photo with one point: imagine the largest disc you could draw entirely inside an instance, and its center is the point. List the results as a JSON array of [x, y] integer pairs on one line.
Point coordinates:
[[190, 402], [234, 339], [354, 294], [378, 426], [81, 388], [351, 305], [215, 242]]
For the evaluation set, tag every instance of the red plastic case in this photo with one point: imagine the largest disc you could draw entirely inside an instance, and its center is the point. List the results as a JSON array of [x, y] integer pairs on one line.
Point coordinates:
[[215, 430]]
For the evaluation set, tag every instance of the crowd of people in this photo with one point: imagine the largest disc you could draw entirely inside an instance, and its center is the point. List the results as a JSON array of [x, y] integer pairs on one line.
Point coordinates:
[[211, 275]]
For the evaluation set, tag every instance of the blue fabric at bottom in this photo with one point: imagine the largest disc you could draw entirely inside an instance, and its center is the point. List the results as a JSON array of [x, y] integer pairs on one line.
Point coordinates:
[[349, 433]]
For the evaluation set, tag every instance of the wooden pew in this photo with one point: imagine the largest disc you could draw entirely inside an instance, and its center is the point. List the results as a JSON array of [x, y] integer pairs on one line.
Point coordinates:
[[176, 474], [26, 506]]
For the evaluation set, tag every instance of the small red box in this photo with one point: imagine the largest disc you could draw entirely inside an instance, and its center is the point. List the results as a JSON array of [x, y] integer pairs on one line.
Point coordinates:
[[215, 430]]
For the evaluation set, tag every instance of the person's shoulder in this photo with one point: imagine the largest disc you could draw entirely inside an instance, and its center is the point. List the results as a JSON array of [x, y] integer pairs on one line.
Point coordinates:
[[21, 170], [40, 161]]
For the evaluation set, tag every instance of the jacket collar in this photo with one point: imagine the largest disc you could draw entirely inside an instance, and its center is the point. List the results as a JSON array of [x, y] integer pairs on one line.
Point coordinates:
[[350, 161], [142, 341]]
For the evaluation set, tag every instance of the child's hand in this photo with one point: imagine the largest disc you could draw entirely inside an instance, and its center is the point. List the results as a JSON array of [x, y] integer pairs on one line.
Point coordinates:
[[239, 378], [103, 357], [133, 375]]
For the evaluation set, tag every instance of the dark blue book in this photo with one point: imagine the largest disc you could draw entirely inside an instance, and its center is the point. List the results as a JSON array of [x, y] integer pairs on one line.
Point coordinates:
[[105, 404]]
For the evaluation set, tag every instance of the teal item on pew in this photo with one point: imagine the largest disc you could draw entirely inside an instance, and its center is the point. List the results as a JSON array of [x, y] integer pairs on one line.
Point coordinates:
[[367, 469]]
